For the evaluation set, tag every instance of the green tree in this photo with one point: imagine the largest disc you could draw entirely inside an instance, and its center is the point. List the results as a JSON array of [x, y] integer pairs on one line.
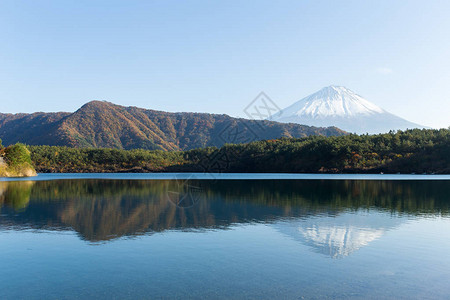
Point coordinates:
[[17, 154]]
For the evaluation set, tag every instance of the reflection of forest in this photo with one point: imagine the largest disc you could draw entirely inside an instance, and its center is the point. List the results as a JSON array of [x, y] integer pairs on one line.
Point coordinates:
[[15, 194], [106, 209]]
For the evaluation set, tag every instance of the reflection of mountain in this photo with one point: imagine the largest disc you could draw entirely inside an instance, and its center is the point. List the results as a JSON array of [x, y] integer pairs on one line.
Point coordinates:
[[339, 235], [103, 210], [106, 209]]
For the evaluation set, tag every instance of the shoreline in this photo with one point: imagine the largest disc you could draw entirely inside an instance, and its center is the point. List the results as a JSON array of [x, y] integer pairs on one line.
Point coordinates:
[[224, 176]]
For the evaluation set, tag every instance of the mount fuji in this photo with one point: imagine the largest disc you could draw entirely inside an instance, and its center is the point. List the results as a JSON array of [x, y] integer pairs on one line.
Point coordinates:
[[340, 107]]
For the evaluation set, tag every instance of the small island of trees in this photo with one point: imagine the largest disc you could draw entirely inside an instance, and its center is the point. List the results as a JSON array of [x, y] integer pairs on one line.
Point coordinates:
[[15, 161]]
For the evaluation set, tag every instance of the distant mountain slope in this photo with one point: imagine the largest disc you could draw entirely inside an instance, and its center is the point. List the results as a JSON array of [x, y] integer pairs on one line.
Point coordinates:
[[340, 107], [103, 124]]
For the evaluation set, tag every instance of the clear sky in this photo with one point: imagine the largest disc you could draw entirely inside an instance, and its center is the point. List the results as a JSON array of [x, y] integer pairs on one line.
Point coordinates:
[[216, 56]]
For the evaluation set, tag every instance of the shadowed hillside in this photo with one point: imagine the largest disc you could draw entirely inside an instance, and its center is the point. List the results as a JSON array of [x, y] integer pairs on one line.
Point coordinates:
[[103, 124]]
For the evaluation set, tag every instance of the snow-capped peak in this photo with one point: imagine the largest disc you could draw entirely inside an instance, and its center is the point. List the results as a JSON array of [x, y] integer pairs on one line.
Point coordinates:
[[332, 101], [338, 106]]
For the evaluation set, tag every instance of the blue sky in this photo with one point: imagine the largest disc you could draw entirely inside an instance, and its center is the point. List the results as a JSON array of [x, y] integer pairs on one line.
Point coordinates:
[[216, 56]]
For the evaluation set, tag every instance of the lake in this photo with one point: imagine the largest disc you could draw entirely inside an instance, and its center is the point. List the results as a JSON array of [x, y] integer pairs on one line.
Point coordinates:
[[239, 236]]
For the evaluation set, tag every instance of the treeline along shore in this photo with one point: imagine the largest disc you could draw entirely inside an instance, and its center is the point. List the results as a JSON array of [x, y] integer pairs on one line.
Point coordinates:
[[411, 151]]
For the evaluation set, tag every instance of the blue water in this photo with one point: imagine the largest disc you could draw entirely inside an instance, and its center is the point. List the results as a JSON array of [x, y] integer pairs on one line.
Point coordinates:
[[113, 236]]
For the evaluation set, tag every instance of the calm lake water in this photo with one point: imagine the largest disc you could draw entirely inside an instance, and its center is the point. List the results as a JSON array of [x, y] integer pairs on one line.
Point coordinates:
[[134, 237]]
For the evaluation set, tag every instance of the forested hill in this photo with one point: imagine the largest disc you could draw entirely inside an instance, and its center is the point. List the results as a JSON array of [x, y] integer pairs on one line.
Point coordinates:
[[100, 124], [411, 151]]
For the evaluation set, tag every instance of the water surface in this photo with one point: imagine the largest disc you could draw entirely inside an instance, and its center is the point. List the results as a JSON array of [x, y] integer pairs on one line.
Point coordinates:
[[118, 237]]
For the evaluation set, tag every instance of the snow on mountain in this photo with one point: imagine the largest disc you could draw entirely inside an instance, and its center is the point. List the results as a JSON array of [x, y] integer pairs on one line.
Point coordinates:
[[340, 107]]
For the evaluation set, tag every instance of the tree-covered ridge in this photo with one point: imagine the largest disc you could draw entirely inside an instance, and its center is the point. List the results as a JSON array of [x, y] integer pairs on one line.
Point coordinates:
[[100, 124], [408, 151], [411, 151], [15, 161]]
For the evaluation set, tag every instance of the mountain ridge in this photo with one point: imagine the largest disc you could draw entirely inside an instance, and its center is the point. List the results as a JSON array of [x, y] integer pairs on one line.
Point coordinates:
[[102, 124]]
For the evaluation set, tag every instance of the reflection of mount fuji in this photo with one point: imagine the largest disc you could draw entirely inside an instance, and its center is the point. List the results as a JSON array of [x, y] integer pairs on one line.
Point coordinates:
[[339, 235], [101, 210]]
